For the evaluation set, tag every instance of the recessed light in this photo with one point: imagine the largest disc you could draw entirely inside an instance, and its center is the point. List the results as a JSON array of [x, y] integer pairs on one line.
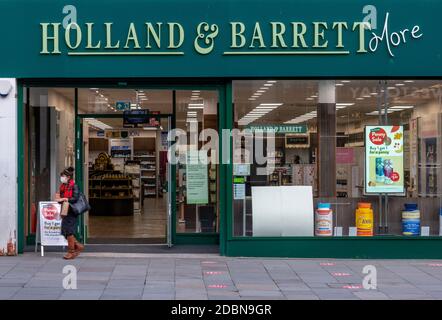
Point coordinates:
[[345, 81], [360, 98], [309, 99], [264, 88], [271, 81], [409, 81], [346, 104], [268, 84], [271, 104], [402, 107], [262, 91], [399, 84], [339, 84]]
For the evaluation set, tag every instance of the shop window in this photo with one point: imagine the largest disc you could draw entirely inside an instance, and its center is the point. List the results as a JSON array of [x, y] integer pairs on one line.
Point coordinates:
[[325, 152], [197, 184], [50, 144]]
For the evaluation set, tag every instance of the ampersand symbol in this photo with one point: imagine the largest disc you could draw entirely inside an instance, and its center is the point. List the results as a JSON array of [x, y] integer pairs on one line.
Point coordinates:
[[208, 40]]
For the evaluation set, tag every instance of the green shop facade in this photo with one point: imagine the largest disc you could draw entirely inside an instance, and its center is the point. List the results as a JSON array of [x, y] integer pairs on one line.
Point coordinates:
[[233, 48]]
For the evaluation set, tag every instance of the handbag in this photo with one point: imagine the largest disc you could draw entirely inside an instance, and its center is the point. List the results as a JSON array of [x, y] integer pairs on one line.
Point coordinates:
[[64, 209], [81, 205]]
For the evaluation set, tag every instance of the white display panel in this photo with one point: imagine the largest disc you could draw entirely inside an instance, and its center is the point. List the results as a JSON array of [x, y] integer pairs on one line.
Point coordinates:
[[266, 211], [297, 211], [282, 211]]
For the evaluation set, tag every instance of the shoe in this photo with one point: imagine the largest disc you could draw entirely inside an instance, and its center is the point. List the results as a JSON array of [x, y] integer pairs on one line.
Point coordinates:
[[78, 248], [71, 249]]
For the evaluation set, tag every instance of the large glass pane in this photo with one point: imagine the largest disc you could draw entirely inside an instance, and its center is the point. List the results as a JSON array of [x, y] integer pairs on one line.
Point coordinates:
[[50, 123], [197, 184]]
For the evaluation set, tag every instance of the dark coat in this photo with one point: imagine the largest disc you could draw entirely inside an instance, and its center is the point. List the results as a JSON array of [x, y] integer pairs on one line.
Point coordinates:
[[69, 223]]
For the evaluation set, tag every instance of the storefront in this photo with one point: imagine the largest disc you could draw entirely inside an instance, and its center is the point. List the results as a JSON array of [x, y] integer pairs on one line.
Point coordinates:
[[321, 123]]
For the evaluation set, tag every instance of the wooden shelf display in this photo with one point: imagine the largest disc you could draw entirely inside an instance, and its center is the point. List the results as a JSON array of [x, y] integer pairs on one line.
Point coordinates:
[[145, 151], [110, 194]]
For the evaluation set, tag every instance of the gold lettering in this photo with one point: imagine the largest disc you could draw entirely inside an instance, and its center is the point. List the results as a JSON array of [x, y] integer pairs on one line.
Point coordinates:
[[132, 37], [299, 35], [67, 35], [89, 45], [109, 37], [340, 26], [155, 34], [238, 34], [172, 44], [319, 34], [361, 26], [45, 38], [257, 36], [277, 36]]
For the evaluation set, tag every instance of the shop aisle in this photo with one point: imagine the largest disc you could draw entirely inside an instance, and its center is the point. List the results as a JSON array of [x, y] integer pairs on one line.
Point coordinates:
[[150, 226]]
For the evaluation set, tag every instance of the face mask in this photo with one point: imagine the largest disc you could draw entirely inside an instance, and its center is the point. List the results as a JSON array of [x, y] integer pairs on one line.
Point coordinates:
[[64, 179]]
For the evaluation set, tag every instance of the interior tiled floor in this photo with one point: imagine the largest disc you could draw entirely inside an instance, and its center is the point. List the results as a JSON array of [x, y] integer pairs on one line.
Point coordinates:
[[151, 223]]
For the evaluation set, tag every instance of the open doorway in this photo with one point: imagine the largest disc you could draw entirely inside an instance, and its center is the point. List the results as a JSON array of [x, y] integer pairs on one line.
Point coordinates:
[[125, 174]]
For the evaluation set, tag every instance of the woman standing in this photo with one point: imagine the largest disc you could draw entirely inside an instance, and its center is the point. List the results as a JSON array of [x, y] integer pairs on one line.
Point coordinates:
[[69, 192]]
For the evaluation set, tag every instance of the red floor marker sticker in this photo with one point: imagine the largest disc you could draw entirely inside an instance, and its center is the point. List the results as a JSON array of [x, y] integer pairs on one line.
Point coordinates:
[[352, 286], [216, 286], [435, 264], [213, 272], [340, 274]]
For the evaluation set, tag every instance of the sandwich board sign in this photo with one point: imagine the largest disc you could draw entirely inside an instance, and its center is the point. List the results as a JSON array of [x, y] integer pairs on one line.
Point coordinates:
[[49, 225]]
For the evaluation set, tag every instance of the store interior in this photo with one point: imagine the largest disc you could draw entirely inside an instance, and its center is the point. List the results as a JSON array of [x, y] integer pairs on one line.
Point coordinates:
[[413, 104]]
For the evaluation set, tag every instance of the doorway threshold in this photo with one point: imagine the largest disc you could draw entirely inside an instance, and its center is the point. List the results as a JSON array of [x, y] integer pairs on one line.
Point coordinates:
[[129, 241]]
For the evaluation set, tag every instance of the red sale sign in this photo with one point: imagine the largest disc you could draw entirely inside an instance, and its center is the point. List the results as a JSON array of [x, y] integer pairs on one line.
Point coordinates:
[[377, 136]]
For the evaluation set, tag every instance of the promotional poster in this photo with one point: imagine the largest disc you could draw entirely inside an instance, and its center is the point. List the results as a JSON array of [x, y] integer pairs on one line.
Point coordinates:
[[384, 159]]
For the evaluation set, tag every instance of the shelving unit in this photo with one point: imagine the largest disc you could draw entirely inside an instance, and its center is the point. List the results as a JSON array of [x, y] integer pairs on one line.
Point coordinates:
[[110, 194], [132, 170], [145, 151]]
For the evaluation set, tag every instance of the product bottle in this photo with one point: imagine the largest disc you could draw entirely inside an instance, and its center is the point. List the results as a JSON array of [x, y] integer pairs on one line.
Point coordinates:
[[388, 171], [379, 170], [364, 219], [411, 224], [324, 220]]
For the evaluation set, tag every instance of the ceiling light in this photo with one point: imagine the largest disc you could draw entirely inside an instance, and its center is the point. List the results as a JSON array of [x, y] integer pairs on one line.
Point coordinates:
[[391, 88], [271, 104], [264, 88], [309, 99], [314, 96], [346, 104], [402, 107], [399, 84], [409, 81], [268, 84], [252, 99], [339, 84], [345, 81], [360, 98], [196, 105], [261, 91], [271, 81]]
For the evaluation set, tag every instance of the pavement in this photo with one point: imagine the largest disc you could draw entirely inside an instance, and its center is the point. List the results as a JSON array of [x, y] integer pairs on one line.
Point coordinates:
[[209, 276]]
